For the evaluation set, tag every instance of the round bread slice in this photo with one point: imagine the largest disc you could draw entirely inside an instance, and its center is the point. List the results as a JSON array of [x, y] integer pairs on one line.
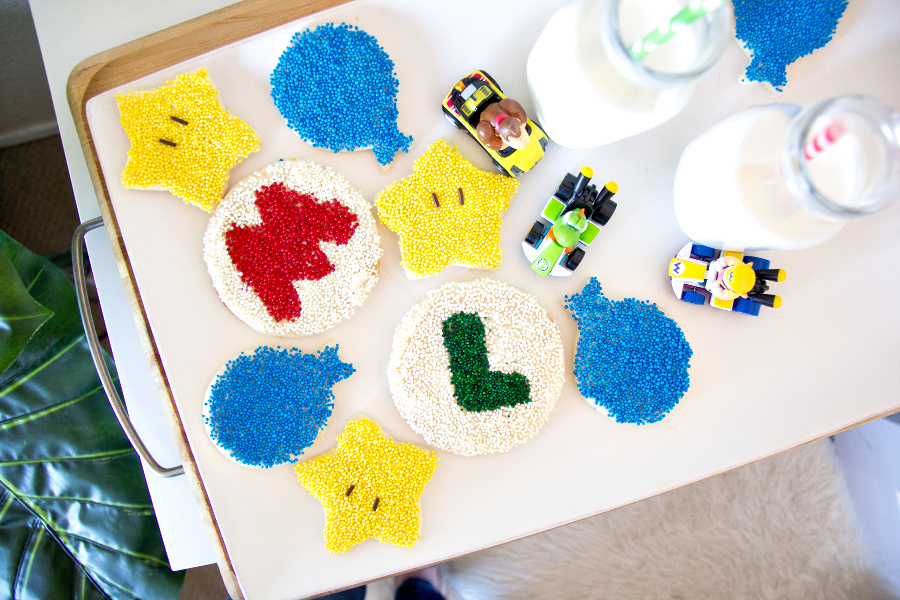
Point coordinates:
[[293, 249], [472, 408]]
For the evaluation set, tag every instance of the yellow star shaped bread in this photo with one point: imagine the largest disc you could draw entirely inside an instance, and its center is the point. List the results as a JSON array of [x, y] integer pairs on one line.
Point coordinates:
[[447, 212], [183, 140], [369, 487]]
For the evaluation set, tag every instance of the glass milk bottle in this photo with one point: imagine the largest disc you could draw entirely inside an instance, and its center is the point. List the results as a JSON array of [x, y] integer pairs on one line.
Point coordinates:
[[587, 87], [782, 177]]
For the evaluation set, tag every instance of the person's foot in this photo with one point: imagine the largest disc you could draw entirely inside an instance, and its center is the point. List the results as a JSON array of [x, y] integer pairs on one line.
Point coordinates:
[[429, 574]]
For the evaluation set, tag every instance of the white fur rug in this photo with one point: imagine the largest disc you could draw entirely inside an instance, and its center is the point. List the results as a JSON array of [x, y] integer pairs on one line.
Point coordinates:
[[781, 528]]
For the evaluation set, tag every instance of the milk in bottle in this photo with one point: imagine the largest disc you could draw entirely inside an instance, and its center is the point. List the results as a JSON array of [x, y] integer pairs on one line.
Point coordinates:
[[781, 177], [589, 90]]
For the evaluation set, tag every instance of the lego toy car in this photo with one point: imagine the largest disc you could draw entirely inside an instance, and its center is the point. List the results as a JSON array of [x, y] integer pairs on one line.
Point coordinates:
[[465, 106], [696, 270], [572, 218]]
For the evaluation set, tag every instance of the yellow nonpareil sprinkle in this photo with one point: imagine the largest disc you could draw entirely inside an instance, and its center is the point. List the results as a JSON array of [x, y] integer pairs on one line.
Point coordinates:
[[447, 212], [183, 140], [369, 487]]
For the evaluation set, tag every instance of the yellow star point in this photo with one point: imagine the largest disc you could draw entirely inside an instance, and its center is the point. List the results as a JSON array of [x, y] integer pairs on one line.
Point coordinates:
[[183, 140], [369, 487], [440, 226]]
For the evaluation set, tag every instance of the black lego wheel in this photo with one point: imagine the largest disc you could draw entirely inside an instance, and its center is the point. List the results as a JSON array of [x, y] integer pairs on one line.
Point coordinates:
[[566, 187], [500, 167], [574, 259], [451, 118], [603, 213], [535, 234]]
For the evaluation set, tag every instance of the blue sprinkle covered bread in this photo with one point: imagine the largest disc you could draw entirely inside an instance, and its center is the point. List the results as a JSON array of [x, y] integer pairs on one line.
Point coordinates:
[[335, 86], [266, 409], [776, 34], [631, 359]]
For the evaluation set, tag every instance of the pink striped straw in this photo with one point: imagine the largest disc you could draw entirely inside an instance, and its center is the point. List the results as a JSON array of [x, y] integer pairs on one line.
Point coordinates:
[[824, 139]]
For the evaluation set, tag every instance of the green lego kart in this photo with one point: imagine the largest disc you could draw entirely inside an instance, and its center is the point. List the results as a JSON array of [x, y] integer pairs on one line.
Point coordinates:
[[570, 222]]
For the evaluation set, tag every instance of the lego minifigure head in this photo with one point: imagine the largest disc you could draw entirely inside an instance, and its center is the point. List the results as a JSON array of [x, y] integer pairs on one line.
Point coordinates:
[[576, 219], [513, 131]]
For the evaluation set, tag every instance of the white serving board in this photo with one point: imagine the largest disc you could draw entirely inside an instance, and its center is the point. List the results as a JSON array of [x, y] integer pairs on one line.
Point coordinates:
[[825, 361]]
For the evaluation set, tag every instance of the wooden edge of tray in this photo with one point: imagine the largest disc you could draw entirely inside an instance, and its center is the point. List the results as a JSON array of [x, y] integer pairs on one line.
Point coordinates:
[[117, 67]]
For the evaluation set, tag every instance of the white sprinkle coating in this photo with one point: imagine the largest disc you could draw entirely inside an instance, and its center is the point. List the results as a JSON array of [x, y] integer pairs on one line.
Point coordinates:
[[325, 302], [520, 337]]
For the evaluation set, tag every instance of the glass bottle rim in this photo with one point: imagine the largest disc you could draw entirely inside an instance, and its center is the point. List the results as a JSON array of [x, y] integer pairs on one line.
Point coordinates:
[[719, 25], [880, 116]]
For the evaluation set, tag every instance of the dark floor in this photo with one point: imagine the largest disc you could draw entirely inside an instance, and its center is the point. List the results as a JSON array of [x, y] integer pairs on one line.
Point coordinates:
[[37, 209], [37, 206]]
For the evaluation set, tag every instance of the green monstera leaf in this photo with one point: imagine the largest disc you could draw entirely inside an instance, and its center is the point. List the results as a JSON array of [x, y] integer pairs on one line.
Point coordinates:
[[20, 315], [75, 516]]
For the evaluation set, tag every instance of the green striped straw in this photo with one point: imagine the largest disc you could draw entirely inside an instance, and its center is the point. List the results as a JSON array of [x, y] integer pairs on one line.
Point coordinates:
[[686, 16]]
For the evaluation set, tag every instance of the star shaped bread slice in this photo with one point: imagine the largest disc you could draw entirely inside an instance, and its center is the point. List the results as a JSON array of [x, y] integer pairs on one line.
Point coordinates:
[[369, 487], [447, 212], [183, 140]]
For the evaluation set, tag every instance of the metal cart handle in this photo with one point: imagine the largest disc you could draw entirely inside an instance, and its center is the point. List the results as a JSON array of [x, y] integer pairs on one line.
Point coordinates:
[[90, 333]]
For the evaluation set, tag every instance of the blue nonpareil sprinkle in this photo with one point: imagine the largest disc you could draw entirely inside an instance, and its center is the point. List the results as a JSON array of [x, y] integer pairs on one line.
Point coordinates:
[[631, 359], [778, 32], [265, 409], [335, 86]]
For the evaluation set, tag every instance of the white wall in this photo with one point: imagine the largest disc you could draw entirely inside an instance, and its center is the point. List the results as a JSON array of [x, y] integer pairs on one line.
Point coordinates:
[[26, 111]]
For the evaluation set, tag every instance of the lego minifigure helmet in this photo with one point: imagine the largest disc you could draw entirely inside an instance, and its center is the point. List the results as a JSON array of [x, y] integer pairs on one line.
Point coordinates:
[[740, 278]]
